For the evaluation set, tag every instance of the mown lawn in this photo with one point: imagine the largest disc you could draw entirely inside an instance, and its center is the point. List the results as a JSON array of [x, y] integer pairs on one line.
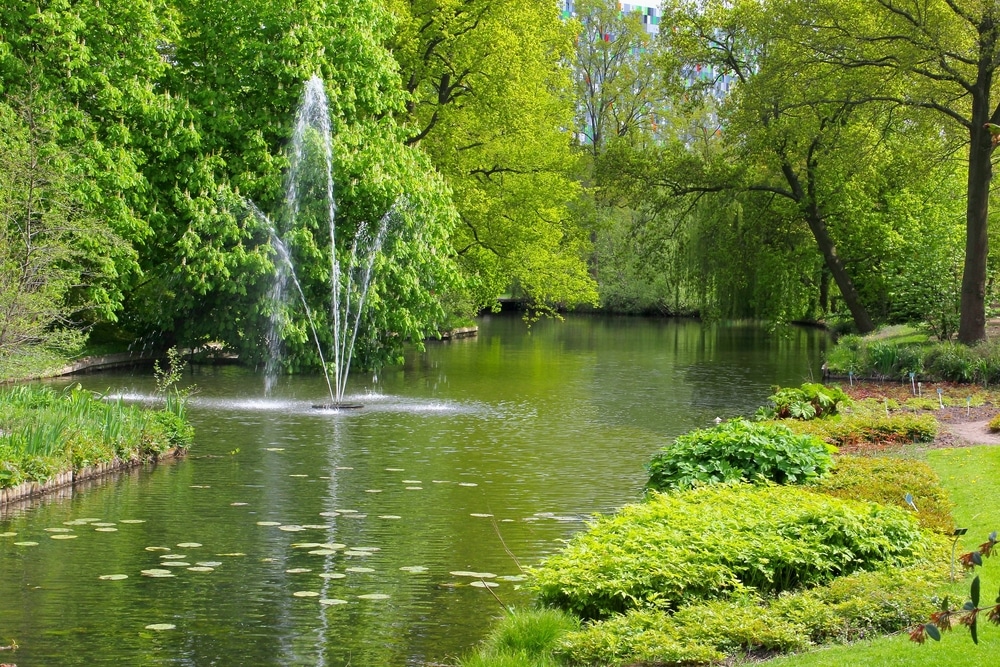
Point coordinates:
[[972, 477]]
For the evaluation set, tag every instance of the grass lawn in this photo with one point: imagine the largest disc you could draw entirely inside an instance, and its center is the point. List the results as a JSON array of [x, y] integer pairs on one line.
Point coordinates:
[[972, 477]]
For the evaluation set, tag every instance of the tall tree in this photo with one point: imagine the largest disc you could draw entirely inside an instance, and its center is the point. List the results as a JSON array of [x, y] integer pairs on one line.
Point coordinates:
[[489, 101], [945, 54]]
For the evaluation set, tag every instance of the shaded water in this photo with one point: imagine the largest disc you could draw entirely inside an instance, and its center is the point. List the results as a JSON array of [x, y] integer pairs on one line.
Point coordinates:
[[538, 429]]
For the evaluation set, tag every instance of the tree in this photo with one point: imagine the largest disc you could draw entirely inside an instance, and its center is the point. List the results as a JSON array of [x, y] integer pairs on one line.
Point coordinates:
[[945, 55], [53, 250], [489, 101]]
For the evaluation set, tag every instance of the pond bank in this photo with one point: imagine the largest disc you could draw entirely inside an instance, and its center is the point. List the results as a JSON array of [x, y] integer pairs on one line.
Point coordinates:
[[71, 478]]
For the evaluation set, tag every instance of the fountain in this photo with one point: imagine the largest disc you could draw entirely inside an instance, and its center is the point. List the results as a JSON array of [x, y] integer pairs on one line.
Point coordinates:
[[349, 283]]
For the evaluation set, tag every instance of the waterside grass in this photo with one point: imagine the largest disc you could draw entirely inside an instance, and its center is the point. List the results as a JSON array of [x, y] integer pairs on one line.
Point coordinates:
[[44, 432]]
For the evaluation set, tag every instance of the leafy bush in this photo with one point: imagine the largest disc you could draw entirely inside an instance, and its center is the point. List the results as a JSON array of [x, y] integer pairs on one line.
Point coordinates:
[[738, 450], [994, 424], [811, 400], [951, 361], [872, 431], [849, 608], [710, 541], [888, 481]]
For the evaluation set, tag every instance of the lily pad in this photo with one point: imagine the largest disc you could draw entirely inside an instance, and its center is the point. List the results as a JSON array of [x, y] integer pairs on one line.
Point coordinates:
[[274, 449], [513, 577], [484, 584], [102, 524], [161, 626], [306, 594], [25, 544], [322, 552], [292, 528], [209, 563], [344, 468], [268, 523], [474, 575], [238, 504], [176, 563], [332, 601], [467, 484], [189, 545], [113, 577], [234, 554], [374, 596], [332, 575], [353, 552], [61, 536], [306, 545], [201, 568], [105, 529], [373, 490], [480, 515], [132, 521], [359, 570], [152, 572], [414, 488], [414, 569], [346, 511], [157, 548], [389, 516], [329, 514], [412, 481], [173, 557], [395, 469], [333, 545], [298, 570], [59, 530], [298, 475], [355, 516], [316, 526], [7, 534]]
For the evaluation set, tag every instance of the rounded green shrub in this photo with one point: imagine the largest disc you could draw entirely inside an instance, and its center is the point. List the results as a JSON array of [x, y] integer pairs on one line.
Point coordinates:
[[739, 450], [710, 541], [887, 481]]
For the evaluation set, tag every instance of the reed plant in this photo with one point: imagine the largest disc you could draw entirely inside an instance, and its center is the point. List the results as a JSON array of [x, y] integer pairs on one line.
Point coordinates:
[[44, 431]]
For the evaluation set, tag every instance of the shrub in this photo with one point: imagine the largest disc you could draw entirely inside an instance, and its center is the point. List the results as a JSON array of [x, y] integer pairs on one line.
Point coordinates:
[[872, 431], [951, 361], [710, 541], [994, 424], [738, 450], [888, 481], [849, 608], [811, 400]]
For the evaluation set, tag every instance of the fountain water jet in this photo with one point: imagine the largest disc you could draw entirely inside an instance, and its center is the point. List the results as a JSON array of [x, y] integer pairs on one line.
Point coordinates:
[[349, 284]]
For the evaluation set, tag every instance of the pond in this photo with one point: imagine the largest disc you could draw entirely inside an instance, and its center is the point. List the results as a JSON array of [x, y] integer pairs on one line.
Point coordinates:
[[388, 535]]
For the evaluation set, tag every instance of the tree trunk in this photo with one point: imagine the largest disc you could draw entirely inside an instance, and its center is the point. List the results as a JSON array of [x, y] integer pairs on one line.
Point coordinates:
[[972, 320], [862, 320]]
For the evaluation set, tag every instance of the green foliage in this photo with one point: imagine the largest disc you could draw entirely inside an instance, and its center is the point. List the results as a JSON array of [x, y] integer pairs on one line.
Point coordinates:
[[525, 635], [889, 481], [738, 450], [858, 606], [712, 541], [811, 400], [994, 424], [44, 432], [872, 429], [865, 357]]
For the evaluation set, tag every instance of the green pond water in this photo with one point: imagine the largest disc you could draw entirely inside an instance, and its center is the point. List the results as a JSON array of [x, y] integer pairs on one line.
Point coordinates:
[[516, 433]]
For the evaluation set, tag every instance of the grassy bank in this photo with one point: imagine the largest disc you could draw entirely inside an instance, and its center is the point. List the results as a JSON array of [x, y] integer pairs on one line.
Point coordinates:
[[44, 432]]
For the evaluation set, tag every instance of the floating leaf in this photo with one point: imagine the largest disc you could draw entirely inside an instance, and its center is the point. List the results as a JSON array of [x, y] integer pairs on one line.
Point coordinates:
[[467, 484], [132, 521], [238, 504], [389, 516], [332, 575], [414, 488], [358, 569], [58, 530], [161, 626], [209, 563], [234, 554], [173, 557], [306, 594], [25, 544], [201, 568], [291, 528], [306, 545], [412, 481], [395, 469], [329, 514], [298, 475], [189, 545], [102, 524], [105, 530], [440, 481], [484, 584], [344, 468], [298, 570], [113, 577], [374, 596], [373, 490], [201, 486], [322, 552], [355, 516], [333, 545], [157, 548], [274, 449], [332, 601], [474, 575], [343, 512], [415, 569], [483, 516], [64, 537], [156, 571], [354, 552], [175, 563], [512, 577], [268, 523], [316, 526]]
